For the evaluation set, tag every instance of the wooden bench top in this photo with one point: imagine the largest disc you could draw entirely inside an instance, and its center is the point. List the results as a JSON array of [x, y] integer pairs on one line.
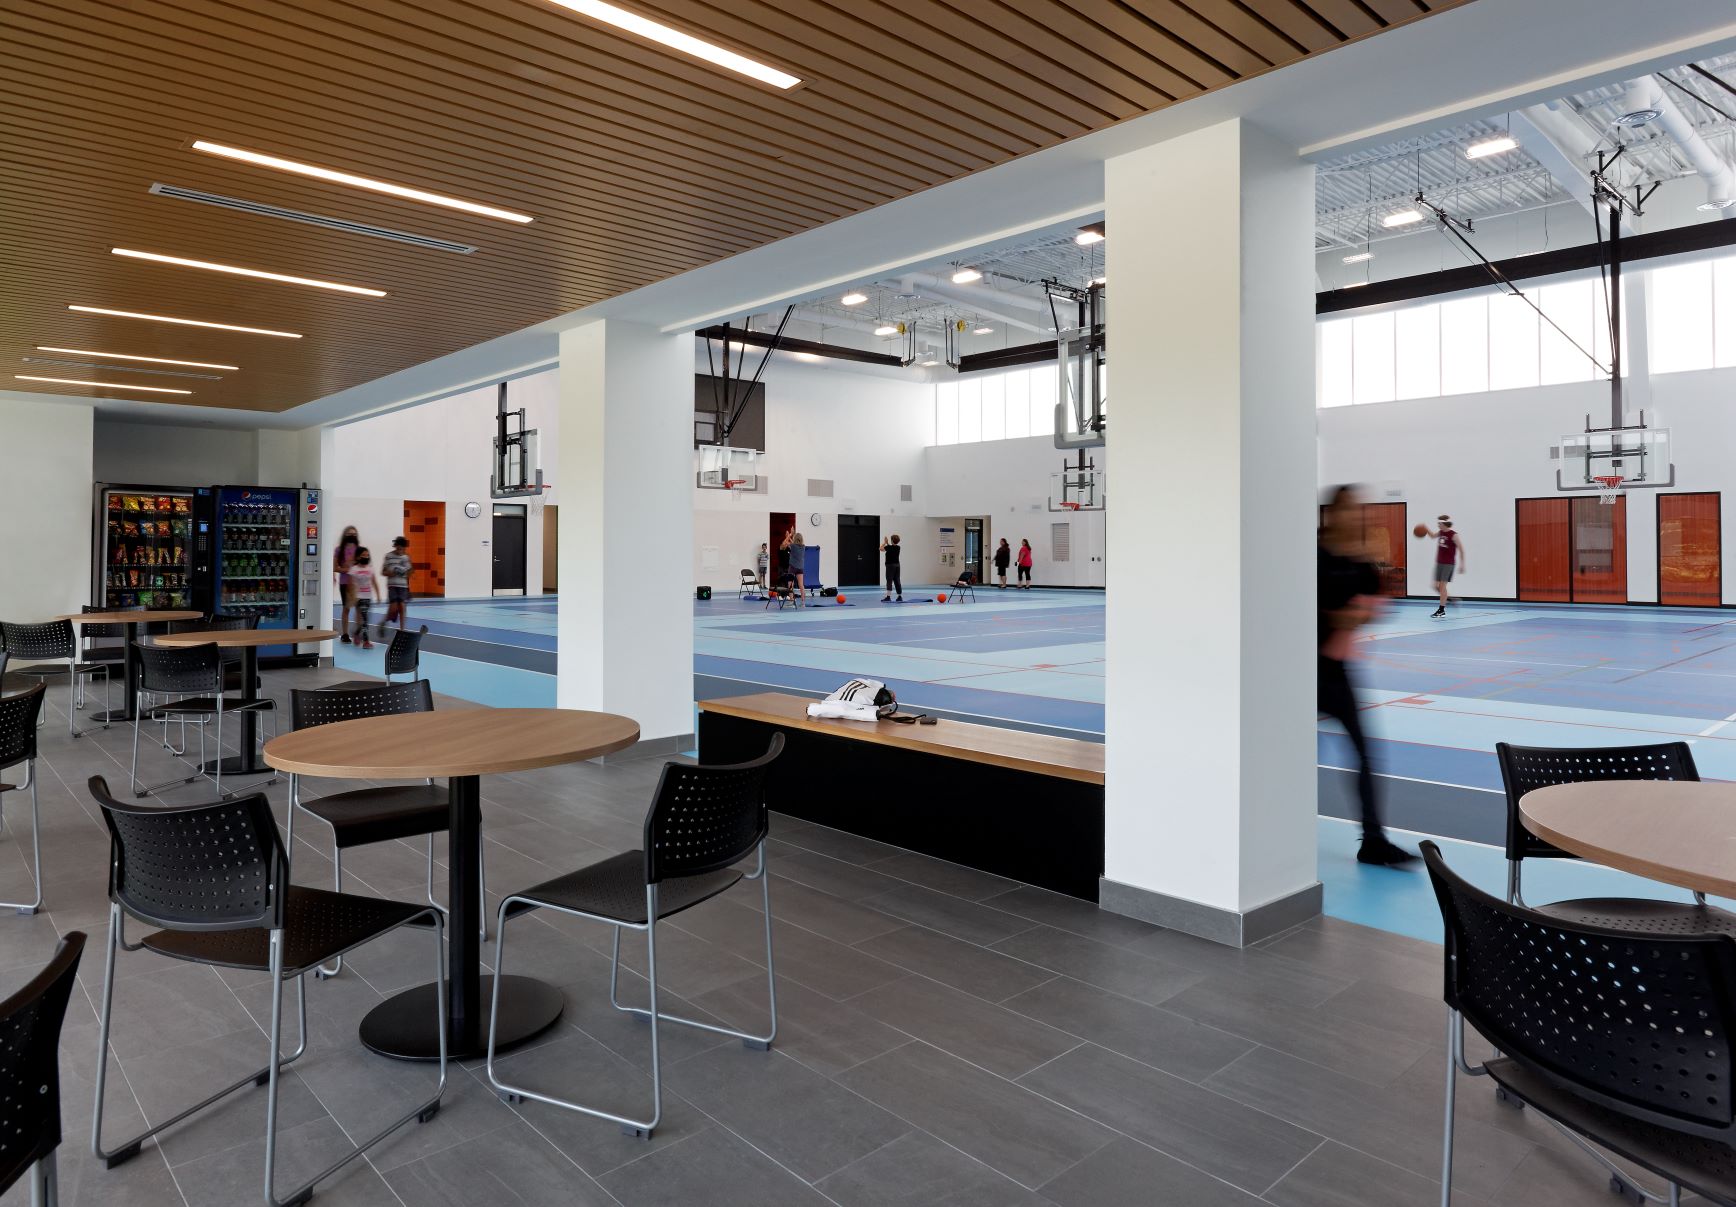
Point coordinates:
[[1038, 753]]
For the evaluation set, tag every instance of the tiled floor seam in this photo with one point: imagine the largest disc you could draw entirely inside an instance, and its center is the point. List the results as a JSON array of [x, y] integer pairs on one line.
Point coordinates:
[[1264, 1194]]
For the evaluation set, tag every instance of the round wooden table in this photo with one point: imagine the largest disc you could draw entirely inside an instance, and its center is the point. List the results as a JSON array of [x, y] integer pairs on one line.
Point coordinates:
[[1679, 832], [461, 745], [131, 695], [248, 642]]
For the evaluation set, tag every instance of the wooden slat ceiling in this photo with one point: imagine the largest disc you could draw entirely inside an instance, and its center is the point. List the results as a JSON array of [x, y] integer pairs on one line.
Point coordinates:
[[637, 163]]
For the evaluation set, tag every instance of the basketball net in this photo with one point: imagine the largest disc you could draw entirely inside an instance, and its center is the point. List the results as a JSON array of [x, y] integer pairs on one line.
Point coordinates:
[[1609, 487], [1072, 506], [732, 483]]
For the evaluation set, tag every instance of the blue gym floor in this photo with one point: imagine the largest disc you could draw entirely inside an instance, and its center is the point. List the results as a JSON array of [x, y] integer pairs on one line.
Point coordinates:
[[1436, 694]]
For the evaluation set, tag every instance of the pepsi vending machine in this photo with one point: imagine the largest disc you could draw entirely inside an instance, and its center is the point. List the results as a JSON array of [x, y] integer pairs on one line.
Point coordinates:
[[255, 562]]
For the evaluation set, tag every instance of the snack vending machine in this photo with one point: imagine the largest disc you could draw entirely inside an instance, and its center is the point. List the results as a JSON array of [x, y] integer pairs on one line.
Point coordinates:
[[256, 567], [145, 547]]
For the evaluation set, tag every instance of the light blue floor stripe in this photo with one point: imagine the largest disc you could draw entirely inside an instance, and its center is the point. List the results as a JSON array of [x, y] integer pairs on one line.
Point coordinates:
[[481, 682]]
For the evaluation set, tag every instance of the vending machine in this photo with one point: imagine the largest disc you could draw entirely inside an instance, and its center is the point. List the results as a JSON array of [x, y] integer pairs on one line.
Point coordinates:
[[145, 554], [256, 567]]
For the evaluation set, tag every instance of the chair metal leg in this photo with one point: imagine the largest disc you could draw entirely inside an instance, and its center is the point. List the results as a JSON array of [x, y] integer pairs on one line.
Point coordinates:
[[481, 886], [219, 764], [322, 972], [759, 1043], [44, 1184], [31, 907], [130, 1149], [1452, 1094], [513, 1093], [421, 1113]]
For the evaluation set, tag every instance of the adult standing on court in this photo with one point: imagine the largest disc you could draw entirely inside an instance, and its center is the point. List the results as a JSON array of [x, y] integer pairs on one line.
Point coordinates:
[[1024, 564], [799, 564], [1349, 589], [344, 557], [1003, 556], [894, 572], [1449, 552]]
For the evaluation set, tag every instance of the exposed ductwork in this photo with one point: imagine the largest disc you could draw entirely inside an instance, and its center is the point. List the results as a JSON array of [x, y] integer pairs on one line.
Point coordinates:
[[987, 305], [1645, 102]]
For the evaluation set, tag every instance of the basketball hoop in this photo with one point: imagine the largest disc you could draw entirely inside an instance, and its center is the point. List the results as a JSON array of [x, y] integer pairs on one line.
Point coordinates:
[[1071, 506], [732, 483], [1608, 487]]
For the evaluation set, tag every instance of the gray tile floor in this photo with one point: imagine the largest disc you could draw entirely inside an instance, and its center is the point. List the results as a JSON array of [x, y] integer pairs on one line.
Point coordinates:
[[946, 1037]]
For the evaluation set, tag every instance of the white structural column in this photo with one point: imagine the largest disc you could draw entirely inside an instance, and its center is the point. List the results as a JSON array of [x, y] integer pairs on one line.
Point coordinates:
[[626, 525], [1211, 620]]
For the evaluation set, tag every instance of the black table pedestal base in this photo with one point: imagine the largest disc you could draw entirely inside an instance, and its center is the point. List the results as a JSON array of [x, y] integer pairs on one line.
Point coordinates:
[[403, 1026]]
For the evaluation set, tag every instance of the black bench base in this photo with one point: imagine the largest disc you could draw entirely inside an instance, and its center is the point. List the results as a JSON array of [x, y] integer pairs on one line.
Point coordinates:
[[1039, 829]]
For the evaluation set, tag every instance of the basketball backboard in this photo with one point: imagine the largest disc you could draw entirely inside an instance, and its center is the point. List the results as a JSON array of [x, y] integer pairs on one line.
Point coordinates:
[[1078, 490], [725, 468], [1640, 456]]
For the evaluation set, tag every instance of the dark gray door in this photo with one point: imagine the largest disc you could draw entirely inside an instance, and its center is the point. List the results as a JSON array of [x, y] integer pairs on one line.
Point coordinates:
[[858, 550], [509, 547]]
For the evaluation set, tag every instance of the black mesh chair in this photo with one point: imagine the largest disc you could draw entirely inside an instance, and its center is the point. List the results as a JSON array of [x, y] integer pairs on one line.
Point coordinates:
[[111, 653], [703, 821], [215, 878], [1528, 768], [1620, 1038], [49, 650], [184, 682], [18, 715], [30, 1022], [404, 655], [368, 815]]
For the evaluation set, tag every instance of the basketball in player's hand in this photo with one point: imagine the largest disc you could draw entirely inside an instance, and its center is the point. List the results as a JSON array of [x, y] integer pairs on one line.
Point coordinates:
[[1420, 530]]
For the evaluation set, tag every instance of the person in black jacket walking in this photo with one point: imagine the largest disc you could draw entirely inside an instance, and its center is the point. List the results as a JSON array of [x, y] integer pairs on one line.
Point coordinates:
[[1349, 587], [1003, 558]]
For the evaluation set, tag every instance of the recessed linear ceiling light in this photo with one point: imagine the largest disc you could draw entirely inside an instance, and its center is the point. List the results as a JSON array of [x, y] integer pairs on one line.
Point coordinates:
[[1402, 218], [966, 276], [1359, 257], [164, 318], [983, 331], [1491, 146], [886, 329], [1089, 234], [245, 272], [853, 299], [149, 360], [360, 182], [103, 385], [686, 43]]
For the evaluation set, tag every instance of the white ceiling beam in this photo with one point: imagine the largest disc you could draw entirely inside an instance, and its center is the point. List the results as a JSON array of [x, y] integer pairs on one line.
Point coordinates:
[[1559, 139]]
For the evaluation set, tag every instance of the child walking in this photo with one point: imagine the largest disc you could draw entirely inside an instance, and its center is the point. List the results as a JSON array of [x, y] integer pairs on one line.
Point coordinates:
[[367, 588], [396, 564]]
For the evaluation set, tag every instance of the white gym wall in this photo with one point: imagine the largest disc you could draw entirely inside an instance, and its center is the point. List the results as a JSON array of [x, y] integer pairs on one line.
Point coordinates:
[[1472, 455]]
